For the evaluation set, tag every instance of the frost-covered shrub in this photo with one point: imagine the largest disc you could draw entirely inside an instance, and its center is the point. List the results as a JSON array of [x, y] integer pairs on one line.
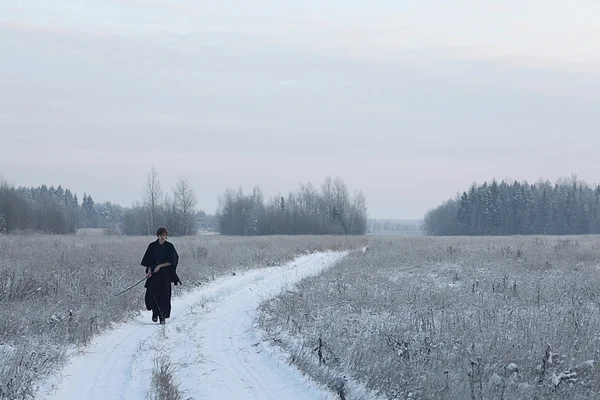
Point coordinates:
[[57, 291], [450, 318]]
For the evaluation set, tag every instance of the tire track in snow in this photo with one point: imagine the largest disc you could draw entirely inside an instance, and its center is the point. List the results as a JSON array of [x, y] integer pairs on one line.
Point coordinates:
[[210, 338]]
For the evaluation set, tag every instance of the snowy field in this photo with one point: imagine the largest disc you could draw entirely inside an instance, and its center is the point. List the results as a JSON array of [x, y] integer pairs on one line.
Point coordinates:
[[209, 348], [285, 318], [449, 318], [57, 294]]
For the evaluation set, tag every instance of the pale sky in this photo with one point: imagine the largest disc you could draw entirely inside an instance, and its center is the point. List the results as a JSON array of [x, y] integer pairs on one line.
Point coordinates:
[[408, 103]]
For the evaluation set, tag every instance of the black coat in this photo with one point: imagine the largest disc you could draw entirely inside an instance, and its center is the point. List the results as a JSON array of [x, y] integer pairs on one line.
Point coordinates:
[[155, 255]]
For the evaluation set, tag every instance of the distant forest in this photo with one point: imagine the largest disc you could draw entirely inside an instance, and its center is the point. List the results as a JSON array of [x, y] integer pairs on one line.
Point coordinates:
[[58, 210], [395, 227], [567, 207], [330, 210]]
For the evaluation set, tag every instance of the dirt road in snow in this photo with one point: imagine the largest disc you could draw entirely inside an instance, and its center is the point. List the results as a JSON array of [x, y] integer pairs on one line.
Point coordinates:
[[210, 339]]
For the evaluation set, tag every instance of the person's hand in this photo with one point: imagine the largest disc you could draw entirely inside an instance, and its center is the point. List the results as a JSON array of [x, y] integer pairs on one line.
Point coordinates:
[[149, 274]]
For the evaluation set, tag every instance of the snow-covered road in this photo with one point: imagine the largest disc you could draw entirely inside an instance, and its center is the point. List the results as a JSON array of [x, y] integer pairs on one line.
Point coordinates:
[[210, 338]]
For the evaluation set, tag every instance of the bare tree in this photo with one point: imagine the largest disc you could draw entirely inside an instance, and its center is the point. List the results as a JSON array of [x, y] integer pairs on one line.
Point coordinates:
[[308, 197], [169, 212], [358, 218], [303, 212], [341, 200], [152, 195], [327, 196], [185, 201], [226, 212]]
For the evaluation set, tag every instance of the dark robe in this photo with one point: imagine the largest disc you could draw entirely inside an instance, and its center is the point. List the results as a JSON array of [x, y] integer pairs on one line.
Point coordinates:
[[158, 286]]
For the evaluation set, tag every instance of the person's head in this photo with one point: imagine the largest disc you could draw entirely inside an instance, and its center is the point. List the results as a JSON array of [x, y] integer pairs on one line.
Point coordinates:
[[162, 234]]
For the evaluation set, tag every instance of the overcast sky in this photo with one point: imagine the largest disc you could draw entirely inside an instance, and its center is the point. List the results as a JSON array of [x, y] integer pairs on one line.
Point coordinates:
[[408, 103]]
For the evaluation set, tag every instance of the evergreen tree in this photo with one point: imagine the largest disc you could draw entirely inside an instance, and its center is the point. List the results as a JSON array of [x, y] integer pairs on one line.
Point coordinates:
[[570, 215], [519, 208], [542, 225], [464, 215], [529, 210], [496, 222], [505, 208], [475, 206], [555, 214], [282, 204], [88, 212]]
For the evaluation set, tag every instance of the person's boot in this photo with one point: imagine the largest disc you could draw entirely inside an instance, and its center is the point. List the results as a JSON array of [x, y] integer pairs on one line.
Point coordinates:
[[154, 317], [162, 321]]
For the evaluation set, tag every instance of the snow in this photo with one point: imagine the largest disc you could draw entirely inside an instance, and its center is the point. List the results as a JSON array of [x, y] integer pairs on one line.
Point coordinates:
[[557, 379], [6, 349], [210, 338]]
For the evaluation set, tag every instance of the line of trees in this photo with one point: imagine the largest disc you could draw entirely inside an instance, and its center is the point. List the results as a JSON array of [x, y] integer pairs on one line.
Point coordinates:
[[42, 209], [57, 210], [52, 210], [567, 207], [306, 211], [394, 227], [176, 212]]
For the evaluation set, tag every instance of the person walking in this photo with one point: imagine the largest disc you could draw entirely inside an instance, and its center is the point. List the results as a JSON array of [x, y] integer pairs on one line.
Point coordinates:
[[160, 260]]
